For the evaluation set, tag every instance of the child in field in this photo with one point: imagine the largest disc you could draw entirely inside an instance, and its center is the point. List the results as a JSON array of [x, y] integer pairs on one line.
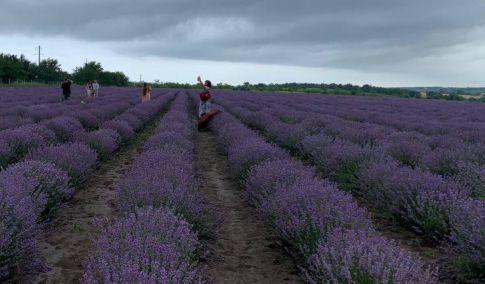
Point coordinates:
[[205, 97], [146, 93]]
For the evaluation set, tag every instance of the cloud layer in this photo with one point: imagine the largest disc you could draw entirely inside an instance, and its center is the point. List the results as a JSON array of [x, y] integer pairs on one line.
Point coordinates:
[[365, 36]]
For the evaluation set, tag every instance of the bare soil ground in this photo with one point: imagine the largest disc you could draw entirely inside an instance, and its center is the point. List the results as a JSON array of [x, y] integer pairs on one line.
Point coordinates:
[[69, 239], [245, 250]]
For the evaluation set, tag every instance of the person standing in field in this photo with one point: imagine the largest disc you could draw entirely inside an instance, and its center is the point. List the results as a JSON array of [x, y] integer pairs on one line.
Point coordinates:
[[205, 97], [89, 89], [66, 88], [95, 88], [146, 93]]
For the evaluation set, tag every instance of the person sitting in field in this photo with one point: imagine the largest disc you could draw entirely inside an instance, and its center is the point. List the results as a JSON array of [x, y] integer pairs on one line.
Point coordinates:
[[66, 88], [146, 93], [205, 97]]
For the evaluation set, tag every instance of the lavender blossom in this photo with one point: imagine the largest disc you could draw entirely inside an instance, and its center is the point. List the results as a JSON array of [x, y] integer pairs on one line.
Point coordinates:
[[47, 185], [75, 158], [148, 246], [351, 256]]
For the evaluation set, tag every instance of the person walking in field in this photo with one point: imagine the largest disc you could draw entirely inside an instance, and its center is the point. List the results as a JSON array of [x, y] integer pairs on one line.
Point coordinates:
[[205, 97], [95, 88], [66, 88], [146, 93]]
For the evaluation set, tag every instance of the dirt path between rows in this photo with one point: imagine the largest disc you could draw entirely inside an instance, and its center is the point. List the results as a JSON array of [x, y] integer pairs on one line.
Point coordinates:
[[245, 250], [68, 240]]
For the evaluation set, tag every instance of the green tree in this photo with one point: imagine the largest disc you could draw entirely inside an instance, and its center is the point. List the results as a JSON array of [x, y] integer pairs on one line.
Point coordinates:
[[89, 71], [113, 79], [49, 71], [13, 68]]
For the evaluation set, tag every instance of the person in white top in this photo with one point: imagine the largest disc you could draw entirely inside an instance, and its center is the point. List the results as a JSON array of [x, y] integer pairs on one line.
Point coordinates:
[[95, 88]]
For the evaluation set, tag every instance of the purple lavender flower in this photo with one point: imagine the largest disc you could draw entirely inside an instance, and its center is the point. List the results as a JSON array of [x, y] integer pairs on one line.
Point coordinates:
[[407, 147], [160, 179], [147, 246], [66, 128], [20, 141], [351, 256], [88, 120], [47, 185], [168, 138], [18, 227], [103, 141], [250, 152], [420, 199], [468, 238], [132, 120], [124, 130], [75, 158], [268, 177], [472, 176], [307, 211]]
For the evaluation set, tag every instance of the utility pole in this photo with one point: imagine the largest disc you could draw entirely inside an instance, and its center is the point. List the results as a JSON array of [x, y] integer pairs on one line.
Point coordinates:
[[140, 78], [38, 55]]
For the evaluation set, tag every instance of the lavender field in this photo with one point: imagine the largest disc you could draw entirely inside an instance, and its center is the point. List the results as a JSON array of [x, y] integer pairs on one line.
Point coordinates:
[[281, 188]]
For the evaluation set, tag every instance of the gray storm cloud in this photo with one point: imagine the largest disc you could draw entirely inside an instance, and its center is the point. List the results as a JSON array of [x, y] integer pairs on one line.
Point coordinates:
[[360, 35]]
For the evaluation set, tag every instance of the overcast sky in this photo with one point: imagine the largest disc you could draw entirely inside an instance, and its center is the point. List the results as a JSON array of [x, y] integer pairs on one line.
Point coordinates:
[[381, 42]]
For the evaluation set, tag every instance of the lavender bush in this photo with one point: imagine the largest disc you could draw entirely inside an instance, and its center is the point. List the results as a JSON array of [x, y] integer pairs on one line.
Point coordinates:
[[338, 159], [18, 142], [148, 246], [268, 177], [18, 228], [66, 128], [46, 185], [123, 128], [88, 120], [472, 176], [160, 179], [168, 138], [250, 152], [350, 256], [307, 211], [103, 141], [75, 158], [468, 239], [420, 199]]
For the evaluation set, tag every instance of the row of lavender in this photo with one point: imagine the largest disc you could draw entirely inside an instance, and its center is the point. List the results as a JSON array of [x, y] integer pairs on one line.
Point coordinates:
[[443, 155], [320, 224], [33, 189], [32, 110], [453, 150], [440, 151], [438, 207], [23, 96], [156, 239], [68, 125], [460, 119]]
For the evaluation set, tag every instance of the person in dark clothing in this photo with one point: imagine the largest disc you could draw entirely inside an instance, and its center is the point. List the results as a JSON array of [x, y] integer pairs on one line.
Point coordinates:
[[66, 88]]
